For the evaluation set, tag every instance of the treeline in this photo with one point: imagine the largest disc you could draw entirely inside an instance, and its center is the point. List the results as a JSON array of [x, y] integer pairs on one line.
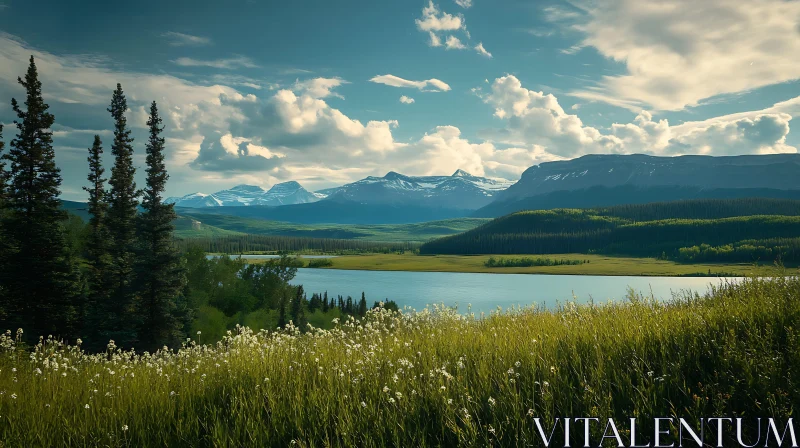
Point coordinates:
[[525, 262], [266, 243], [126, 281], [702, 209], [617, 230], [784, 249], [227, 291]]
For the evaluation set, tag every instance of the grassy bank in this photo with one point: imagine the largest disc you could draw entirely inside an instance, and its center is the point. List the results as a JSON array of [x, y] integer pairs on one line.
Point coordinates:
[[433, 379], [596, 265]]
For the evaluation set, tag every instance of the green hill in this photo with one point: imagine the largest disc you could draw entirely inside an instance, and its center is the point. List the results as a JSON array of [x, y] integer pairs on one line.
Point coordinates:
[[722, 230]]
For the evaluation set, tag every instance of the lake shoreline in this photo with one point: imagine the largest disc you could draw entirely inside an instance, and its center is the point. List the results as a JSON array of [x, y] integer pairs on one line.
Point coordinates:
[[593, 265]]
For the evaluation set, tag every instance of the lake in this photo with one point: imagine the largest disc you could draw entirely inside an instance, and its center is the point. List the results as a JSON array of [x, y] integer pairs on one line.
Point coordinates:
[[488, 291]]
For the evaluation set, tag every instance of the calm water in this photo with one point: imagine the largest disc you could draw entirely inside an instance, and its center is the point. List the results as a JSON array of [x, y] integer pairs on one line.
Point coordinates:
[[488, 291], [268, 257]]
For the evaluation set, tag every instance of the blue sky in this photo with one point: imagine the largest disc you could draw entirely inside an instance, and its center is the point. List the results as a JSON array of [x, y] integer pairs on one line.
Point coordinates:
[[324, 93]]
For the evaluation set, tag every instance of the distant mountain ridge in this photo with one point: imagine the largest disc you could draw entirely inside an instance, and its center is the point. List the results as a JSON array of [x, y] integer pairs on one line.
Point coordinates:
[[641, 176], [461, 190], [286, 193]]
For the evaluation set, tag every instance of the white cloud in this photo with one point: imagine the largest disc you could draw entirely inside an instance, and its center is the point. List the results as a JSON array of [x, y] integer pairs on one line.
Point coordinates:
[[227, 63], [534, 118], [682, 52], [464, 3], [482, 51], [181, 39], [320, 87], [435, 20], [435, 41], [429, 85], [454, 43], [406, 100]]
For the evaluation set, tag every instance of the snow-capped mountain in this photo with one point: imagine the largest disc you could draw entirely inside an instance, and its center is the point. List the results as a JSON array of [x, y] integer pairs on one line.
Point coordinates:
[[461, 190], [286, 193]]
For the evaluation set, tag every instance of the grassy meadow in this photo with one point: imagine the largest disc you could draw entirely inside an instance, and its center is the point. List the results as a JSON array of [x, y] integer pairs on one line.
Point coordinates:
[[416, 232], [596, 265], [433, 378]]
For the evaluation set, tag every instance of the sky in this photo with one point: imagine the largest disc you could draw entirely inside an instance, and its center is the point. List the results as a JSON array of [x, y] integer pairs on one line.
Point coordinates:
[[324, 93]]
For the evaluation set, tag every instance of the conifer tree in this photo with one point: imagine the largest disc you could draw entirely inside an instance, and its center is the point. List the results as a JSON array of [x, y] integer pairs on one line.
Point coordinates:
[[325, 302], [282, 313], [40, 284], [123, 201], [160, 275], [5, 247], [97, 246], [362, 305], [297, 312]]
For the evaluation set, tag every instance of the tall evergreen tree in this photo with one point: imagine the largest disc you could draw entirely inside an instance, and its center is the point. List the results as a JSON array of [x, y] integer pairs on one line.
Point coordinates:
[[160, 274], [297, 311], [97, 247], [123, 201], [282, 312], [5, 247], [38, 278], [362, 305]]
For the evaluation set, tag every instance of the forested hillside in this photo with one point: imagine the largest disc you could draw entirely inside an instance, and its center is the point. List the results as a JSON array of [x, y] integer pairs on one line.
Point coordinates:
[[606, 196], [723, 230]]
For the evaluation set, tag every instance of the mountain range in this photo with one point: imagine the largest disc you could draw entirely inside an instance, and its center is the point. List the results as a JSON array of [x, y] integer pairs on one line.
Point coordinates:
[[585, 182], [461, 191], [286, 193], [604, 180]]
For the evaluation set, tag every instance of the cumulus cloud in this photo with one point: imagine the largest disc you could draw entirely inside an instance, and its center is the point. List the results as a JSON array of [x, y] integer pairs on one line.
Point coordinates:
[[482, 51], [454, 43], [226, 63], [320, 87], [682, 52], [237, 154], [181, 39], [406, 100], [428, 85], [438, 23], [535, 118], [435, 20]]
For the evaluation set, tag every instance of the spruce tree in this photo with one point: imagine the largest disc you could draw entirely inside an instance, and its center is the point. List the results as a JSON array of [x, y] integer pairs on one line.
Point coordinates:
[[362, 305], [282, 312], [97, 248], [160, 274], [39, 282], [297, 312], [5, 248], [123, 201]]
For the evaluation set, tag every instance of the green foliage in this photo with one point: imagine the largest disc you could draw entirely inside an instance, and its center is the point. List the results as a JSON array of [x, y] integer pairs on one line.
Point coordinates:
[[160, 275], [98, 255], [527, 262], [430, 379], [119, 312], [40, 282], [320, 263], [651, 230]]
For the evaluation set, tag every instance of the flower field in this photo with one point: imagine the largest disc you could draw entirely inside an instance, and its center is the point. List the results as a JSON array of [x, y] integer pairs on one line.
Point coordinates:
[[429, 378]]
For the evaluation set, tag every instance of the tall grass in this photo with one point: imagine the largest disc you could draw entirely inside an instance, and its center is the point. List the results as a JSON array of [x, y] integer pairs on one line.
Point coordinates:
[[433, 378]]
